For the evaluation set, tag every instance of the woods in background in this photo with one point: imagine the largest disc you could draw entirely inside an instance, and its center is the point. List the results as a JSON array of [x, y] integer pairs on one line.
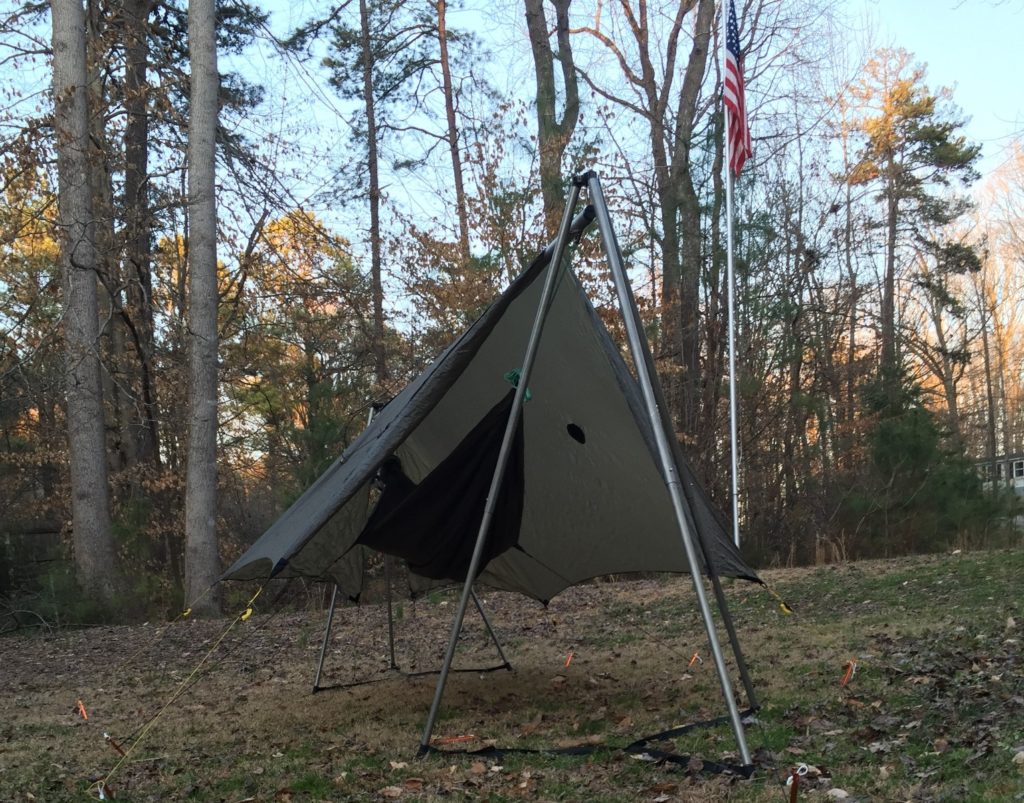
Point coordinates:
[[203, 292]]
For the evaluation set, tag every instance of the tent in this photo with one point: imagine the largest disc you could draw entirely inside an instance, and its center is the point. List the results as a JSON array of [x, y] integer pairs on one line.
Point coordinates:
[[524, 473]]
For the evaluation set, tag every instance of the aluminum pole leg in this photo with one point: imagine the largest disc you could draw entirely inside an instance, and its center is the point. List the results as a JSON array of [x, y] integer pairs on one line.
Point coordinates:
[[490, 630], [327, 637], [547, 294], [641, 360], [391, 618]]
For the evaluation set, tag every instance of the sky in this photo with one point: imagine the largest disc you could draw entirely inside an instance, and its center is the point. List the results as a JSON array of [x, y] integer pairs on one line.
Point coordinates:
[[971, 46]]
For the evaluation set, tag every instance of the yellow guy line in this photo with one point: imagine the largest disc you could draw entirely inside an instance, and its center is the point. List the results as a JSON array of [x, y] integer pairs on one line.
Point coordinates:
[[241, 617], [159, 634]]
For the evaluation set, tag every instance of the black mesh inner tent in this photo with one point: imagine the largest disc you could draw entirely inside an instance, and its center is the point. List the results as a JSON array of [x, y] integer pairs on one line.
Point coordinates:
[[433, 526]]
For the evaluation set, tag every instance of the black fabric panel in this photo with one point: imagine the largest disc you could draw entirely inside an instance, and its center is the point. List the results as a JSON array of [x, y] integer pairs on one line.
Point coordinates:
[[433, 525], [397, 486], [639, 747]]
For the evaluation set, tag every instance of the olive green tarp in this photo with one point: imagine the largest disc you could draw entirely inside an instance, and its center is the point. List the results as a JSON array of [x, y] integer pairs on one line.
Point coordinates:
[[593, 499]]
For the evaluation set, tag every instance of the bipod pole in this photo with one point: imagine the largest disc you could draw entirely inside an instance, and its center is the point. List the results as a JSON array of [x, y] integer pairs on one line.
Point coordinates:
[[730, 629], [547, 296], [327, 637], [334, 600], [391, 618], [647, 380], [490, 630]]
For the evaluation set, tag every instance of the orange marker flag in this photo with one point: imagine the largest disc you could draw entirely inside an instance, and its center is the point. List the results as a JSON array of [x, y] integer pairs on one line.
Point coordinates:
[[81, 710], [851, 670]]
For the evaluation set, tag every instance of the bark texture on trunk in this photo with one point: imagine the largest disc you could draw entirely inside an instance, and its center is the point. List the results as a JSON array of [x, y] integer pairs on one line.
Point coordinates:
[[379, 354], [553, 134], [453, 133], [90, 501], [202, 561]]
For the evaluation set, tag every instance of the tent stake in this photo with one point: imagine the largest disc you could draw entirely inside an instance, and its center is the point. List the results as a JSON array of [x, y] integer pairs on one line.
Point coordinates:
[[641, 361], [547, 296], [487, 624], [327, 637]]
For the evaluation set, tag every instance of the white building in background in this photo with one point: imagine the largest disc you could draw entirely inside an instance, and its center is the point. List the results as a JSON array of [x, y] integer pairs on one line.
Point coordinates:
[[1009, 471]]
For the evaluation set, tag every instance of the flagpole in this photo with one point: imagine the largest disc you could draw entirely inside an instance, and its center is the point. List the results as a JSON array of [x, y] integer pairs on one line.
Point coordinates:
[[730, 303]]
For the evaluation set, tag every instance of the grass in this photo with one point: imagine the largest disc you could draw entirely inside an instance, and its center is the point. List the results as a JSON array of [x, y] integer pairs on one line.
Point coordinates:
[[935, 710]]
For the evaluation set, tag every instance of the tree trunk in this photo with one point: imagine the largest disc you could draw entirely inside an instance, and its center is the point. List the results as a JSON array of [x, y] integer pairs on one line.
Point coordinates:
[[202, 562], [990, 396], [453, 134], [679, 195], [889, 364], [947, 371], [139, 283], [553, 134], [379, 355], [116, 387], [90, 504]]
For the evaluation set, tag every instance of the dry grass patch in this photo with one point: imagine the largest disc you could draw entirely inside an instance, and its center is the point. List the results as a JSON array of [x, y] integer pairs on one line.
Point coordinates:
[[934, 712]]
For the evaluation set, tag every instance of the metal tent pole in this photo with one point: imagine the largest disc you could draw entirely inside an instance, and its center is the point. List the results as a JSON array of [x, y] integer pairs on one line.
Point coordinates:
[[547, 295], [327, 636], [391, 618], [334, 599], [734, 459], [487, 624], [638, 348]]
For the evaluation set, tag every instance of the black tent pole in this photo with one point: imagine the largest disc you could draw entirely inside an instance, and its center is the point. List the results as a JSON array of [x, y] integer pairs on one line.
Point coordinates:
[[490, 630], [547, 296], [647, 380], [730, 629]]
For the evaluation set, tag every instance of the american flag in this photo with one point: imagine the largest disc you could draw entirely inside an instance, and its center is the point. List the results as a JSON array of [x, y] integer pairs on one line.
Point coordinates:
[[732, 94]]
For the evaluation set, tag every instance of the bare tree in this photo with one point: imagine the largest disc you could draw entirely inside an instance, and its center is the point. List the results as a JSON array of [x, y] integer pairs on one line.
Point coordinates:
[[202, 563], [650, 65], [90, 502], [452, 131], [138, 268], [553, 134]]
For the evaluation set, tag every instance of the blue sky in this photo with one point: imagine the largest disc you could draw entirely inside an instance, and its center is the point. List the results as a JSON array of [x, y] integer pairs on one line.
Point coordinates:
[[972, 46]]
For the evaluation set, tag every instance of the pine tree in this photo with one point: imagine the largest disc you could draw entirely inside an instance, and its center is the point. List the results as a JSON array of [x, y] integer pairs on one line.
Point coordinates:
[[913, 151]]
